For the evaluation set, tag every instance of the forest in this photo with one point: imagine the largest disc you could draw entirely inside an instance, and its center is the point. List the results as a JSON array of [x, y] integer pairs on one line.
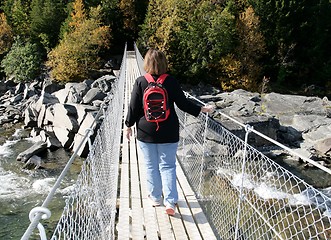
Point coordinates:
[[256, 45]]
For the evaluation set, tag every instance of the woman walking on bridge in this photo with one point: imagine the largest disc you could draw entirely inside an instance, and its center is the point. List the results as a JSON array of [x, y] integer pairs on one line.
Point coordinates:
[[158, 140]]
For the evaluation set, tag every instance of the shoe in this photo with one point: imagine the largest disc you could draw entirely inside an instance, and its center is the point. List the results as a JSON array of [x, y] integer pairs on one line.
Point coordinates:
[[154, 203], [170, 210]]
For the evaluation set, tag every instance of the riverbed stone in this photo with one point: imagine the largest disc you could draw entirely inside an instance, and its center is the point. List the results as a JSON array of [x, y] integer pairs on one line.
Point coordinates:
[[65, 116], [92, 95], [89, 123], [36, 148], [65, 136]]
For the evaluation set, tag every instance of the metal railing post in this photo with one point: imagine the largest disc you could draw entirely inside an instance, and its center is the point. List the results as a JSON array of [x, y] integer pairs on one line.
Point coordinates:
[[248, 129], [203, 154]]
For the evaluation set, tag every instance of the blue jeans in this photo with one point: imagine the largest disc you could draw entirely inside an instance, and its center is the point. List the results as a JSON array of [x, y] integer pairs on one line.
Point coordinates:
[[160, 160]]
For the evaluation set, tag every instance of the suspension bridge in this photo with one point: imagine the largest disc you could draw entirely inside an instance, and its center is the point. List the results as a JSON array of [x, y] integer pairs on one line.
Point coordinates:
[[227, 189]]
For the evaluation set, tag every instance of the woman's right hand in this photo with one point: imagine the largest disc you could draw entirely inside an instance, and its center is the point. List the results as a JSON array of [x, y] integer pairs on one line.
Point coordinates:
[[128, 133]]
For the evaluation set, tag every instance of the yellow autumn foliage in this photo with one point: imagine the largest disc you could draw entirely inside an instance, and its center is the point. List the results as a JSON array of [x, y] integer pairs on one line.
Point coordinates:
[[6, 35], [77, 53]]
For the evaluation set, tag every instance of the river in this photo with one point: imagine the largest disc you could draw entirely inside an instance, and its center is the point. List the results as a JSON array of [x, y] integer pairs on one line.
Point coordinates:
[[21, 189]]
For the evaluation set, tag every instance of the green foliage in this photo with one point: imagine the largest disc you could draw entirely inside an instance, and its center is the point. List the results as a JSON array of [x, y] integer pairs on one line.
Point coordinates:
[[77, 52], [19, 17], [113, 17], [208, 36], [298, 34], [22, 62], [132, 13], [193, 35], [46, 17]]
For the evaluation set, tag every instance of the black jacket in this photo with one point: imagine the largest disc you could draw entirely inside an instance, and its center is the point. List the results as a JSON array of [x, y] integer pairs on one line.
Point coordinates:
[[169, 129]]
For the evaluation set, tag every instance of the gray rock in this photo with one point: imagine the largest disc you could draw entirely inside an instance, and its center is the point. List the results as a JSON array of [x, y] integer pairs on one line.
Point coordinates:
[[65, 116], [86, 124], [80, 88], [45, 99], [30, 117], [92, 95], [323, 148], [34, 162], [19, 88], [82, 110], [65, 136], [103, 83], [279, 104], [61, 95], [16, 98], [50, 87], [38, 147], [49, 115]]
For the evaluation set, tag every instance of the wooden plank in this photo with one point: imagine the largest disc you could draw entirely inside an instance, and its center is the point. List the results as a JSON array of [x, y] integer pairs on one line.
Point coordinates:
[[177, 224], [137, 213], [123, 225], [166, 231], [187, 218], [197, 213], [147, 221], [164, 228], [151, 222]]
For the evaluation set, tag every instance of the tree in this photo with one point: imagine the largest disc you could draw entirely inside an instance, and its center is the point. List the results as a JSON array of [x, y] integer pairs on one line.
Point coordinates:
[[133, 12], [46, 18], [22, 62], [113, 17], [77, 52], [6, 35], [297, 33], [19, 18], [250, 50], [208, 37]]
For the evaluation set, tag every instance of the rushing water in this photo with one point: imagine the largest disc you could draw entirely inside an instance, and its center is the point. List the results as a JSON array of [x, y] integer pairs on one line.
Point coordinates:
[[21, 189]]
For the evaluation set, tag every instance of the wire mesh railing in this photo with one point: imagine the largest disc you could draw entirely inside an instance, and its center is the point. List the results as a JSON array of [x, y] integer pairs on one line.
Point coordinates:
[[244, 194], [90, 208]]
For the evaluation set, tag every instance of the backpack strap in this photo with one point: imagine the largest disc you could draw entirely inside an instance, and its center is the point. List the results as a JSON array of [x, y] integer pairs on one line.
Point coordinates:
[[149, 78], [160, 80]]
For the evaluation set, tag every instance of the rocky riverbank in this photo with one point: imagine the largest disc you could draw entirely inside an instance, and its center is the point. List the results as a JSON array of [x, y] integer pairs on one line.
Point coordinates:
[[58, 116], [298, 122]]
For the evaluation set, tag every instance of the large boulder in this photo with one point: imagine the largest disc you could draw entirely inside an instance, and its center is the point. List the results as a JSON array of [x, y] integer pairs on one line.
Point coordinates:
[[93, 94], [65, 116], [35, 149], [89, 123]]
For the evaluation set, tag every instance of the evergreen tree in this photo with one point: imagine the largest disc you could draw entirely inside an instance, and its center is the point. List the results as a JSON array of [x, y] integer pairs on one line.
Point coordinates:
[[297, 34], [250, 50], [46, 18], [19, 18], [22, 61], [133, 12], [112, 17]]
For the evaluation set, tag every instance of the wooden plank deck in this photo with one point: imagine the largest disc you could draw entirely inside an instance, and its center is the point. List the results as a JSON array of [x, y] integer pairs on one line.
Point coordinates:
[[137, 219]]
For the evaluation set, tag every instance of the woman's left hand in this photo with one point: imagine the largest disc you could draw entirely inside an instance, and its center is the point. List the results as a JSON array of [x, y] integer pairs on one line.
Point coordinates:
[[207, 109]]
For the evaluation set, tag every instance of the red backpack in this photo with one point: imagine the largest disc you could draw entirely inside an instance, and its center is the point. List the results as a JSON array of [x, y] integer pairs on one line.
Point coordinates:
[[155, 100]]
